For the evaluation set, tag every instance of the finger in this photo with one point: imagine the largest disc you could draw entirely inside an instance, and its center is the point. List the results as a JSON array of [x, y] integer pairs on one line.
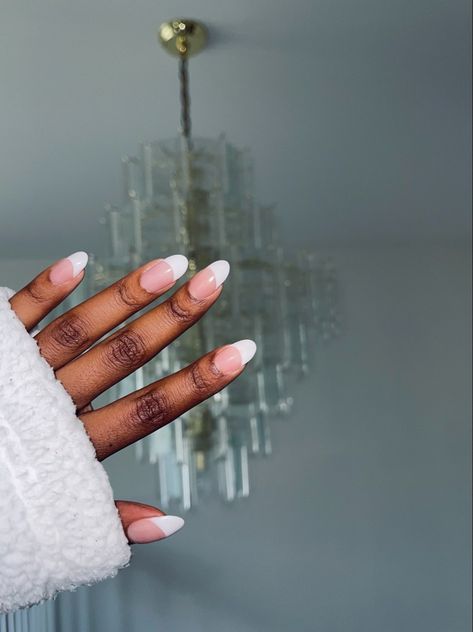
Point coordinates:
[[85, 409], [32, 303], [73, 332], [117, 425], [144, 523], [136, 343]]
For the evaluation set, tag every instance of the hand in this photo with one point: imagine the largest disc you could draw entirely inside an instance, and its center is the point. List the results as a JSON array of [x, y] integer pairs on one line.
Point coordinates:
[[86, 371]]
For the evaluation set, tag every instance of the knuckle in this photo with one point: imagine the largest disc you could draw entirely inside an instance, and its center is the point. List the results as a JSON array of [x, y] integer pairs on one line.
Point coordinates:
[[36, 293], [127, 350], [125, 296], [151, 409], [70, 332], [200, 383], [177, 312]]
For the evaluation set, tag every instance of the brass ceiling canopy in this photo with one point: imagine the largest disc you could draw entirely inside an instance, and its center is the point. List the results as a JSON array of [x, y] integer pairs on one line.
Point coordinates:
[[183, 37]]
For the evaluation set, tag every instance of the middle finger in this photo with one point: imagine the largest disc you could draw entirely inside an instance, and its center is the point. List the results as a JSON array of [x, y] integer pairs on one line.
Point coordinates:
[[71, 333]]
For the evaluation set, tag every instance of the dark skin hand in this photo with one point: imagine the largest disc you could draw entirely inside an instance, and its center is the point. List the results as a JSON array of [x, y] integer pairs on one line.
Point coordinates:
[[86, 371]]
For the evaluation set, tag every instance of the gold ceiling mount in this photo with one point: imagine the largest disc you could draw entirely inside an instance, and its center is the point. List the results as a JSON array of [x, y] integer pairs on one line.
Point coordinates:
[[183, 37]]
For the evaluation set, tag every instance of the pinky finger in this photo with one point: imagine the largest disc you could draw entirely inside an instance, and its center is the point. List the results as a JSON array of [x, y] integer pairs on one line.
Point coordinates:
[[144, 523], [48, 289], [131, 418]]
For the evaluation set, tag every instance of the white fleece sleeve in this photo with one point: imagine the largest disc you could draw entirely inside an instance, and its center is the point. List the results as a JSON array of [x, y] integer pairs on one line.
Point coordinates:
[[59, 527]]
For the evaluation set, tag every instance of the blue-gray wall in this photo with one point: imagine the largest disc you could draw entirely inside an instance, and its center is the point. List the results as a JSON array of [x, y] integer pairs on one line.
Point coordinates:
[[360, 521]]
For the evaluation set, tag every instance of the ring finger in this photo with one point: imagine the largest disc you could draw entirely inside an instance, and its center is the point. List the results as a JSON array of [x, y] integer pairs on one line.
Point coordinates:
[[132, 346]]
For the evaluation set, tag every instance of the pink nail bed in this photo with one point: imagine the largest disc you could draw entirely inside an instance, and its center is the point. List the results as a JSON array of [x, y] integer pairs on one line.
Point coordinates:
[[152, 529], [205, 282], [163, 273], [67, 269], [232, 357]]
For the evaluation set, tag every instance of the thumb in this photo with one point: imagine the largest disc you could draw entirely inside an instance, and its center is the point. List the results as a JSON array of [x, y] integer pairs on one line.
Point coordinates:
[[144, 523]]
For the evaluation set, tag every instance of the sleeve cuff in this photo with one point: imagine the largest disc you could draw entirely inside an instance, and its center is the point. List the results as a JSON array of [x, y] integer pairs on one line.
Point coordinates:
[[59, 525]]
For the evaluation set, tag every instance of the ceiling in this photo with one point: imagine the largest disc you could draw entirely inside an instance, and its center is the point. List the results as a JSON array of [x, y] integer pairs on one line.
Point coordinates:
[[356, 112]]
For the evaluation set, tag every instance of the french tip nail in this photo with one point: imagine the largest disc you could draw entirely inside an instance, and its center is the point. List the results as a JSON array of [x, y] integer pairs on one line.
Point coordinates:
[[221, 270], [179, 265], [79, 260], [153, 529], [247, 349], [168, 524]]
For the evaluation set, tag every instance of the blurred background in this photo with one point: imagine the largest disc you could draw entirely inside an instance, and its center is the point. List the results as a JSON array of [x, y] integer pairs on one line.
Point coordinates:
[[357, 117]]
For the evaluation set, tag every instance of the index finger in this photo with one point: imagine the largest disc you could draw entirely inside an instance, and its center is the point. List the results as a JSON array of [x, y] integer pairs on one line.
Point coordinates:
[[41, 295]]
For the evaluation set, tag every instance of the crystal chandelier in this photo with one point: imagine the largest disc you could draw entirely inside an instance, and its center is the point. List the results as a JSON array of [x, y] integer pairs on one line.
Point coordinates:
[[195, 196]]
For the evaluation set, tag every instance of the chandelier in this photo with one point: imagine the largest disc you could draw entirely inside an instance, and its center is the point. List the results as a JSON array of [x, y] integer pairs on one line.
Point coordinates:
[[195, 196]]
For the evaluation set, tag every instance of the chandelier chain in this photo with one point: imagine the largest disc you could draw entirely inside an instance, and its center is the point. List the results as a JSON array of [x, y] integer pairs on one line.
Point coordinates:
[[184, 98]]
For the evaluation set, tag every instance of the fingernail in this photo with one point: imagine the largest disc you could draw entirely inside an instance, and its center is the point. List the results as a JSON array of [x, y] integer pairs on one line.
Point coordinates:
[[68, 268], [152, 529], [205, 282], [234, 356], [163, 273]]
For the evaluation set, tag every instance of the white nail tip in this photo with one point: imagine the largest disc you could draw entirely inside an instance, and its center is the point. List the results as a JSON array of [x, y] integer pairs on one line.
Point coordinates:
[[221, 270], [79, 261], [168, 524], [179, 265], [247, 349]]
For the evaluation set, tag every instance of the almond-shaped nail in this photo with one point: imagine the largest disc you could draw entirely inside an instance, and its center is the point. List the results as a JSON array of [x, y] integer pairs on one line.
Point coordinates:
[[232, 357], [205, 282], [152, 529], [163, 273], [68, 268]]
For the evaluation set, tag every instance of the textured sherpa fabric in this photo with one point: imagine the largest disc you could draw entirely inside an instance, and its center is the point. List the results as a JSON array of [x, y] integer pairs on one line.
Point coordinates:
[[59, 527]]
